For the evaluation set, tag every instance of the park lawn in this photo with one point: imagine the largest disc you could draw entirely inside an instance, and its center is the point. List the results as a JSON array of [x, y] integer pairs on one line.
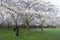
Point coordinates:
[[35, 34]]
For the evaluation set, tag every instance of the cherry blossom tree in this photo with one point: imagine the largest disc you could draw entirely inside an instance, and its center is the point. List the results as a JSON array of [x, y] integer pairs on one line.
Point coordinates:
[[30, 12]]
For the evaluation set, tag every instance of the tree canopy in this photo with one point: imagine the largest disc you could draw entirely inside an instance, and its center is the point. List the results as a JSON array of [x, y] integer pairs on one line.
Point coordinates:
[[11, 10]]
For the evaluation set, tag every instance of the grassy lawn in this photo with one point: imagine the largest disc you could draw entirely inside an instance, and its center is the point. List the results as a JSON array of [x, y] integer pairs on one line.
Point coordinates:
[[35, 34]]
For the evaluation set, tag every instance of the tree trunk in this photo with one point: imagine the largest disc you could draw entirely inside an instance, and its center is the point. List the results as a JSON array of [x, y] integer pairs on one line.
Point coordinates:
[[17, 32], [42, 21], [16, 29], [27, 25], [27, 29], [41, 28]]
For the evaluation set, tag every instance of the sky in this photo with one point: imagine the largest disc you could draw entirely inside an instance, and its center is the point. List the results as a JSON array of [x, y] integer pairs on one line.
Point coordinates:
[[56, 2]]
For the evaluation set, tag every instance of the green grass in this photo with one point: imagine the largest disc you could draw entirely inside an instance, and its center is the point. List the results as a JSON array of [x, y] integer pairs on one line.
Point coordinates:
[[35, 34]]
